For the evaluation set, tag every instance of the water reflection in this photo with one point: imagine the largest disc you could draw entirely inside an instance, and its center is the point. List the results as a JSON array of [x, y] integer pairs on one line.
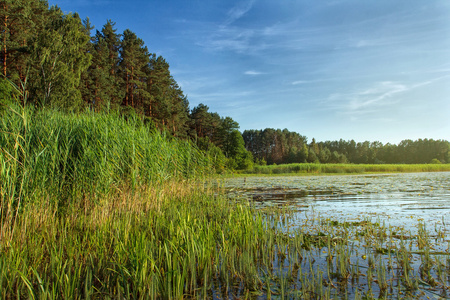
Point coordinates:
[[397, 199]]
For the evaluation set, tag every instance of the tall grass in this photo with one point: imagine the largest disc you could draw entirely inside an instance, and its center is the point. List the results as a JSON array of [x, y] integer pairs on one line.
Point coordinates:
[[164, 242], [313, 168], [72, 158]]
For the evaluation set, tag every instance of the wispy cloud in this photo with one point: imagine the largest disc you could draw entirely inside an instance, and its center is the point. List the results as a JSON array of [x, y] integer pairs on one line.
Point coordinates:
[[297, 82], [381, 96], [376, 96], [229, 39], [238, 11], [253, 73]]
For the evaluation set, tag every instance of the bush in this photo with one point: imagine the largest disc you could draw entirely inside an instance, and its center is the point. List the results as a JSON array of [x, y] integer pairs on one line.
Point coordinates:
[[435, 161]]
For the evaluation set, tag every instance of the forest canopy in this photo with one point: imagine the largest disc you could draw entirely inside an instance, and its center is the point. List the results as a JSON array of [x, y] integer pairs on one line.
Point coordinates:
[[52, 60], [282, 147]]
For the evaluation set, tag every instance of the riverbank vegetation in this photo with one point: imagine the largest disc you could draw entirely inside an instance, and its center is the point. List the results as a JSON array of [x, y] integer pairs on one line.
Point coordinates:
[[318, 168], [99, 206], [135, 218]]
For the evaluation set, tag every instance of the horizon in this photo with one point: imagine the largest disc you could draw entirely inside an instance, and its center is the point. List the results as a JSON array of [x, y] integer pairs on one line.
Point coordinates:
[[332, 70]]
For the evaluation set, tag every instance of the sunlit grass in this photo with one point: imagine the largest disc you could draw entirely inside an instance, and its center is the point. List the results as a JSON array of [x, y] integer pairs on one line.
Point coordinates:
[[312, 168], [78, 158]]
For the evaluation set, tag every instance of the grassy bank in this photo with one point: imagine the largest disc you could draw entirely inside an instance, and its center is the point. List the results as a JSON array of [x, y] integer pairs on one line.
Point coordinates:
[[74, 160], [71, 157], [166, 242], [313, 168]]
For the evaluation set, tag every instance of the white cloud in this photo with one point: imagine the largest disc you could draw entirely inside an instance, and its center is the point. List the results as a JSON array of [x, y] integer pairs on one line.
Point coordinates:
[[238, 11], [230, 39], [251, 72], [376, 95], [300, 82], [381, 97]]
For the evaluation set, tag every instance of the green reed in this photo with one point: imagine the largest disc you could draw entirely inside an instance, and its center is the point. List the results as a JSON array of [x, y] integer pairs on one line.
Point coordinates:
[[75, 157], [315, 168]]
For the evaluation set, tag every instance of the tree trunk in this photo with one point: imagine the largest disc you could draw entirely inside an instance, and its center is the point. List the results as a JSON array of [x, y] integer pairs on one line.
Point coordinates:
[[5, 30], [132, 102]]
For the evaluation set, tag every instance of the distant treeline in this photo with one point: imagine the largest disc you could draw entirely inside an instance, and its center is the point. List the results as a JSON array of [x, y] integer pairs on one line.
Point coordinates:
[[283, 146]]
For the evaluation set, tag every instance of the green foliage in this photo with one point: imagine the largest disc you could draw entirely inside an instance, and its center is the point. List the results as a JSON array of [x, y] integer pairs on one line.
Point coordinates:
[[312, 157], [61, 53], [240, 158], [281, 147], [70, 155], [102, 88], [218, 159], [318, 168], [276, 146], [435, 161], [7, 93], [72, 71], [223, 133]]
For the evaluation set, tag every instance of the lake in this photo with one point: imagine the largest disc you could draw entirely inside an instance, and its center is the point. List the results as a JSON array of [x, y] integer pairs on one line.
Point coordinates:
[[395, 227], [397, 199]]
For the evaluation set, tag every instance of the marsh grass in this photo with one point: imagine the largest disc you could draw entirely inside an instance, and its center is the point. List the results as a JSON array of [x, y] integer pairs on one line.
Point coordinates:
[[185, 240], [313, 168], [71, 158]]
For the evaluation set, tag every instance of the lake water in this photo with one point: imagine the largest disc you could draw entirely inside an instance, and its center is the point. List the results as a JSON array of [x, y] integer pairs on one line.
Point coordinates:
[[396, 199], [380, 216]]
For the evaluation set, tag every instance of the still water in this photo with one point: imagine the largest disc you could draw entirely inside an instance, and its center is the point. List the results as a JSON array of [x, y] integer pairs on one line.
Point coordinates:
[[396, 199], [394, 228]]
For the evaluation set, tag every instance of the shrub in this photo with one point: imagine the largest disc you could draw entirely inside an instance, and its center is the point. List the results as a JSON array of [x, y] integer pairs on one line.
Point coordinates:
[[435, 161]]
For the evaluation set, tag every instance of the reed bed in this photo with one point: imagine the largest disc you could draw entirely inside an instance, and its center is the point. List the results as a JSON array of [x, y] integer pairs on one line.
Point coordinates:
[[313, 168], [184, 240], [72, 158]]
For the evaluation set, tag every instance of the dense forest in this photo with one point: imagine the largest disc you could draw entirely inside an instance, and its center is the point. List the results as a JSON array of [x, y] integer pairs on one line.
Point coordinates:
[[282, 146], [52, 60]]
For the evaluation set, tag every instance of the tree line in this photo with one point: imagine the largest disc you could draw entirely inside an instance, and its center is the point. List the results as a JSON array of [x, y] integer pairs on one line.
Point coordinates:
[[57, 61], [283, 146]]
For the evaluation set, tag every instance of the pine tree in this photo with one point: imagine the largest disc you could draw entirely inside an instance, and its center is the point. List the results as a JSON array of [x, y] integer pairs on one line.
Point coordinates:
[[112, 40], [102, 88], [159, 86], [134, 61], [167, 106]]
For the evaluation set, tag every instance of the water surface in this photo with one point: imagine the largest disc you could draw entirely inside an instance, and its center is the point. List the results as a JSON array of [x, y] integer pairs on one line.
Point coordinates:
[[397, 199]]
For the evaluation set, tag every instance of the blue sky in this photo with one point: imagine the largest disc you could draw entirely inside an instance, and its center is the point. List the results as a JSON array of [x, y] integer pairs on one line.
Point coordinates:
[[363, 70]]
